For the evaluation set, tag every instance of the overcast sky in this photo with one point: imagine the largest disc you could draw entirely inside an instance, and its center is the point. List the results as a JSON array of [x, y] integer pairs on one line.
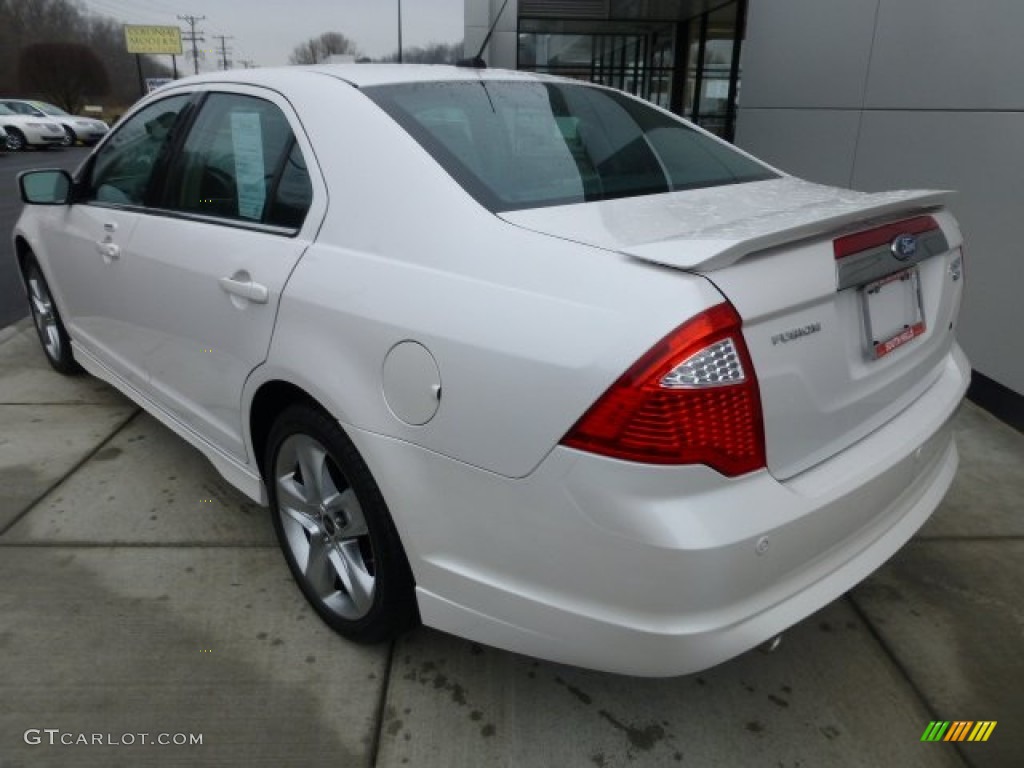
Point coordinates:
[[266, 31]]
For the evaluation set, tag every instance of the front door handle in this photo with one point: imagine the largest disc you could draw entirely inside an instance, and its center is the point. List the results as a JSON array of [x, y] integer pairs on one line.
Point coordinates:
[[241, 285], [109, 251]]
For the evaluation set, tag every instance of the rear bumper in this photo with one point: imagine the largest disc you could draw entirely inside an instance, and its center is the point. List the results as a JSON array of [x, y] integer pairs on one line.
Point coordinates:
[[660, 571]]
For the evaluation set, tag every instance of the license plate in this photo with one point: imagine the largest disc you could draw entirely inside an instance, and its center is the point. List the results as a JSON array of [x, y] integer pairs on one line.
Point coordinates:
[[893, 312]]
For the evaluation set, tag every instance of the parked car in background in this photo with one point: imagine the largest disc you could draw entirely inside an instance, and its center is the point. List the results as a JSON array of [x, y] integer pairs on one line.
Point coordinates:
[[527, 359], [87, 130], [30, 130]]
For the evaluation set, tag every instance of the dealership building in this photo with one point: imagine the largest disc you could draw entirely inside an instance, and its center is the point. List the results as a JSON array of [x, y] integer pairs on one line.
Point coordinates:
[[867, 94]]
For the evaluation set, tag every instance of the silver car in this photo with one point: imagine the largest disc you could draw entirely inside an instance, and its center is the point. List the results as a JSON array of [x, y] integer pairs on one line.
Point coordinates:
[[87, 130], [30, 130]]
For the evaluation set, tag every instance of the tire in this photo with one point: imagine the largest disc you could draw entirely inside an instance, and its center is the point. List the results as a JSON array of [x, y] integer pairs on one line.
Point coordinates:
[[15, 140], [52, 334], [335, 530], [70, 139]]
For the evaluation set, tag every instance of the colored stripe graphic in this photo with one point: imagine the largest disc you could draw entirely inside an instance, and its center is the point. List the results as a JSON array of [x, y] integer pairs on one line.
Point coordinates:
[[959, 730], [982, 730]]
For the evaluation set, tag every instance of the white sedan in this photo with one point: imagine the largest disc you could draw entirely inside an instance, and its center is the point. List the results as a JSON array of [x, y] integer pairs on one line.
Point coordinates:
[[26, 130], [528, 360], [87, 130]]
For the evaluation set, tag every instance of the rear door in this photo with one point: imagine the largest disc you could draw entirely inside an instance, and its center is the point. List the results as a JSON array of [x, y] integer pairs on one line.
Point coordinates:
[[239, 208]]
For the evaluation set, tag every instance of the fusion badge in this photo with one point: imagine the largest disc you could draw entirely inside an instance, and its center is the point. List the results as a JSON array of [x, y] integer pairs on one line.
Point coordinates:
[[796, 333]]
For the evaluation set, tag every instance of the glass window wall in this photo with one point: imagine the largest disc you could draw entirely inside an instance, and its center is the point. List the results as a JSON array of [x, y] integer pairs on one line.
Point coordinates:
[[688, 64]]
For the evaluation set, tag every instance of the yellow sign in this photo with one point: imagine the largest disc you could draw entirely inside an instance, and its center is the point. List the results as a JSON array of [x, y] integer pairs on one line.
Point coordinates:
[[145, 39]]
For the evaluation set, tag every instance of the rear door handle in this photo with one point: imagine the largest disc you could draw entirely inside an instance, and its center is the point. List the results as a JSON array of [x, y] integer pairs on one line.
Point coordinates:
[[246, 288]]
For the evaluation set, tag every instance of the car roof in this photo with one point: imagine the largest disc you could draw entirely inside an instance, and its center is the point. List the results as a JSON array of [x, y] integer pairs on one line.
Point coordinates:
[[360, 75]]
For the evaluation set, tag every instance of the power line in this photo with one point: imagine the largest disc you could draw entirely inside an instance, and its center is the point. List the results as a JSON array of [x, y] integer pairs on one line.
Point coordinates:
[[193, 37], [224, 50], [112, 9]]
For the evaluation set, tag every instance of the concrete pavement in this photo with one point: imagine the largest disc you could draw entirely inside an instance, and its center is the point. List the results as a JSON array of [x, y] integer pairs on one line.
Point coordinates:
[[141, 594]]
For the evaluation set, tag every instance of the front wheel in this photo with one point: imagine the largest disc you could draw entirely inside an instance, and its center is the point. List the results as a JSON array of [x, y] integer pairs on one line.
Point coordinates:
[[70, 139], [335, 529], [15, 140], [52, 334]]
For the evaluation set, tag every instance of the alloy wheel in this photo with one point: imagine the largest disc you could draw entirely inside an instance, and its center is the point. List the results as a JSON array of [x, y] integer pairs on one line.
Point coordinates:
[[44, 316], [15, 141], [324, 527]]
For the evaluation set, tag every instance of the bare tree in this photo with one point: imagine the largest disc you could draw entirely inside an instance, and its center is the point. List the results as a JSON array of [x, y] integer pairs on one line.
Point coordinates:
[[65, 73], [316, 49], [434, 53], [25, 22]]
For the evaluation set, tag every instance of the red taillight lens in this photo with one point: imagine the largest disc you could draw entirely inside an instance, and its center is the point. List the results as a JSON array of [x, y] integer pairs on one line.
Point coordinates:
[[692, 399]]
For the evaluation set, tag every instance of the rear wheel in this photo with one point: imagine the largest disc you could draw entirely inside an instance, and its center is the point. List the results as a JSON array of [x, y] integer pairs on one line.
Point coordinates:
[[70, 139], [335, 529], [15, 140], [52, 334]]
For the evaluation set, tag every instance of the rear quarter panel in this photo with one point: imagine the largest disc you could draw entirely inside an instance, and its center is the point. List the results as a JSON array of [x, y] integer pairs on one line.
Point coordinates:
[[527, 330]]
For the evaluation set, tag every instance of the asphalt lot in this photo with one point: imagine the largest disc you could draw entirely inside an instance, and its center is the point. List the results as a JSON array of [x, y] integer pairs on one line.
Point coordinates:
[[12, 299], [142, 594]]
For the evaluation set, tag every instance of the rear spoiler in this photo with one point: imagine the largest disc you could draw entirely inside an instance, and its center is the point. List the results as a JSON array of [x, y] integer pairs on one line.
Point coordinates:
[[719, 247]]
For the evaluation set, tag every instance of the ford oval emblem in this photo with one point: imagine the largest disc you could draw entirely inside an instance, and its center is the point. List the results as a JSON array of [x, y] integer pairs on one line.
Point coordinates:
[[904, 246]]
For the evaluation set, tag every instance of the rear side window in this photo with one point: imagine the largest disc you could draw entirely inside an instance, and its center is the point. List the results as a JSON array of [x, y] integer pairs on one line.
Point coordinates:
[[240, 161], [530, 144]]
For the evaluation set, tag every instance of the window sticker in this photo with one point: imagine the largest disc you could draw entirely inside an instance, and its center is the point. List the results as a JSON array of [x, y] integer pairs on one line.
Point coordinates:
[[247, 141]]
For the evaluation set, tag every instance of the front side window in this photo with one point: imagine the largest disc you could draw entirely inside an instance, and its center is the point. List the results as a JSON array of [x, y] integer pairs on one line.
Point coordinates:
[[123, 168], [240, 161], [50, 109], [519, 145], [22, 108]]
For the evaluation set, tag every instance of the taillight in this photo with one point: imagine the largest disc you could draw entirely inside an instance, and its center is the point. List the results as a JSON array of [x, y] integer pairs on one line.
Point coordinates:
[[692, 399]]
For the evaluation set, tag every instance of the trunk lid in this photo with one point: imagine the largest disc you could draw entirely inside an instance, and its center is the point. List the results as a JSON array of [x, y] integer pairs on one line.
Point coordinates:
[[771, 249]]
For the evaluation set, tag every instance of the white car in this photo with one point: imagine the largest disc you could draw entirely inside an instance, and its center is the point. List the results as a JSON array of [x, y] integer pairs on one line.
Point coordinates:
[[526, 359], [24, 130], [87, 130]]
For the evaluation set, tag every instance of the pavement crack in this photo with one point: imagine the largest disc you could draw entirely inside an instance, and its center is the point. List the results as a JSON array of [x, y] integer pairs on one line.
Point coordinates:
[[902, 670], [74, 468], [382, 703]]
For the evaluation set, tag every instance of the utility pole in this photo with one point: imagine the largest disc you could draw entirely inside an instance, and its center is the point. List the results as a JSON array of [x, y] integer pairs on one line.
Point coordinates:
[[193, 37], [223, 49], [399, 31]]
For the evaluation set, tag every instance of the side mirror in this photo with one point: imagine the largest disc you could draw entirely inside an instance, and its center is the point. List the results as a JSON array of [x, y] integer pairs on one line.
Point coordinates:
[[51, 187]]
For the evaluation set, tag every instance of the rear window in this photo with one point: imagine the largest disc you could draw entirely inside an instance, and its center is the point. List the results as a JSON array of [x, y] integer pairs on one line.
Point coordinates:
[[531, 144]]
